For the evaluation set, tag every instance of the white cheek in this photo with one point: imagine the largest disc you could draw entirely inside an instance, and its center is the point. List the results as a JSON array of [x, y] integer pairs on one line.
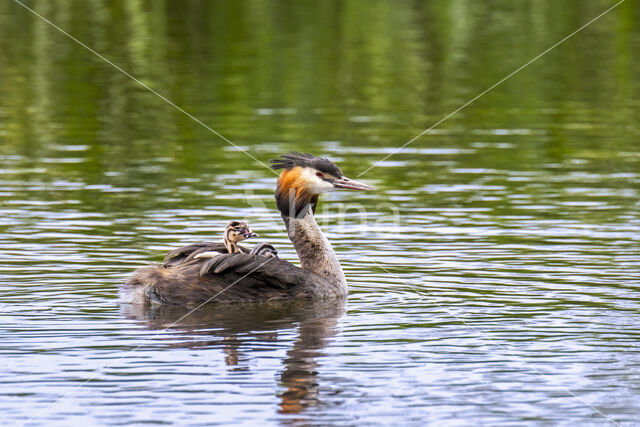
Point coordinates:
[[323, 186], [316, 184]]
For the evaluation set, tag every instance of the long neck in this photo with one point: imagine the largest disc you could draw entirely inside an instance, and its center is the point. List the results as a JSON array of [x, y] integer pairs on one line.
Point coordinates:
[[314, 250]]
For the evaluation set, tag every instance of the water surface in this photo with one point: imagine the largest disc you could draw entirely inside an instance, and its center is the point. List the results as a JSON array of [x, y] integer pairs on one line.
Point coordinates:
[[493, 274]]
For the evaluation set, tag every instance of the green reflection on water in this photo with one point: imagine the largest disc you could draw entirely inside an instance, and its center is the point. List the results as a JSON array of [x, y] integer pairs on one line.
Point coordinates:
[[320, 77]]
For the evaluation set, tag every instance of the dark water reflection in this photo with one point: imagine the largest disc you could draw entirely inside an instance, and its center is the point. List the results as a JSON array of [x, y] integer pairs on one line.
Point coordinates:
[[236, 329], [494, 273]]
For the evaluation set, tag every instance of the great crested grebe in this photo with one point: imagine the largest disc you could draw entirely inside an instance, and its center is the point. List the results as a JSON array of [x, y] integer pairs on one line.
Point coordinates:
[[245, 277]]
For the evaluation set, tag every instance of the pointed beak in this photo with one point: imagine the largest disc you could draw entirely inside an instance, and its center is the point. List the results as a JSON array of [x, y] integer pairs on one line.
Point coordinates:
[[247, 234], [349, 184]]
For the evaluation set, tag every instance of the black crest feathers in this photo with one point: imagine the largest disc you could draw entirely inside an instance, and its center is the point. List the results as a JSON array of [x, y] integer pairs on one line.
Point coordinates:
[[293, 159]]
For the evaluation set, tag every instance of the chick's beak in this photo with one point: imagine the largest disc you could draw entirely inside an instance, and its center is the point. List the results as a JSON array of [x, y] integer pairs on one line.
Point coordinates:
[[247, 234], [349, 184]]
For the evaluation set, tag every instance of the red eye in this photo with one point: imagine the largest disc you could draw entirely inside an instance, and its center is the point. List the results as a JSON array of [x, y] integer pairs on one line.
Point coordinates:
[[319, 174]]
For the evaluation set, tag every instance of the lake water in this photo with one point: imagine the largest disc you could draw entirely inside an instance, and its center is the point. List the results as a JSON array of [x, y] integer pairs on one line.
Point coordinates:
[[493, 274]]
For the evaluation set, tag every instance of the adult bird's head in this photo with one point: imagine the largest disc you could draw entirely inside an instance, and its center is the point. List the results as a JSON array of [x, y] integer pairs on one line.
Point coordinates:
[[303, 178]]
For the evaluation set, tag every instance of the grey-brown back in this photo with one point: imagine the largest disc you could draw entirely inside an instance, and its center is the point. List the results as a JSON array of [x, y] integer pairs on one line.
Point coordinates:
[[188, 253], [226, 278]]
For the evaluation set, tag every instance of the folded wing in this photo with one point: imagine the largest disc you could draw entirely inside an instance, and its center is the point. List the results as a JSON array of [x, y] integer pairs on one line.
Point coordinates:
[[187, 253], [238, 277]]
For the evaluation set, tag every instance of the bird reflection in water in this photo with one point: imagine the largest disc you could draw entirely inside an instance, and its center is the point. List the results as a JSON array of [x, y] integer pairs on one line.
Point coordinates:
[[230, 327]]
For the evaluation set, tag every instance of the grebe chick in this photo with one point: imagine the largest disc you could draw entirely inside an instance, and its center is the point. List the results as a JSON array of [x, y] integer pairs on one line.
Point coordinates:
[[265, 250], [235, 232]]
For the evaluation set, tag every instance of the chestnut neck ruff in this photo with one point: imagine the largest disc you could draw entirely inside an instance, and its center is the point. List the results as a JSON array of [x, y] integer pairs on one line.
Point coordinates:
[[293, 197]]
